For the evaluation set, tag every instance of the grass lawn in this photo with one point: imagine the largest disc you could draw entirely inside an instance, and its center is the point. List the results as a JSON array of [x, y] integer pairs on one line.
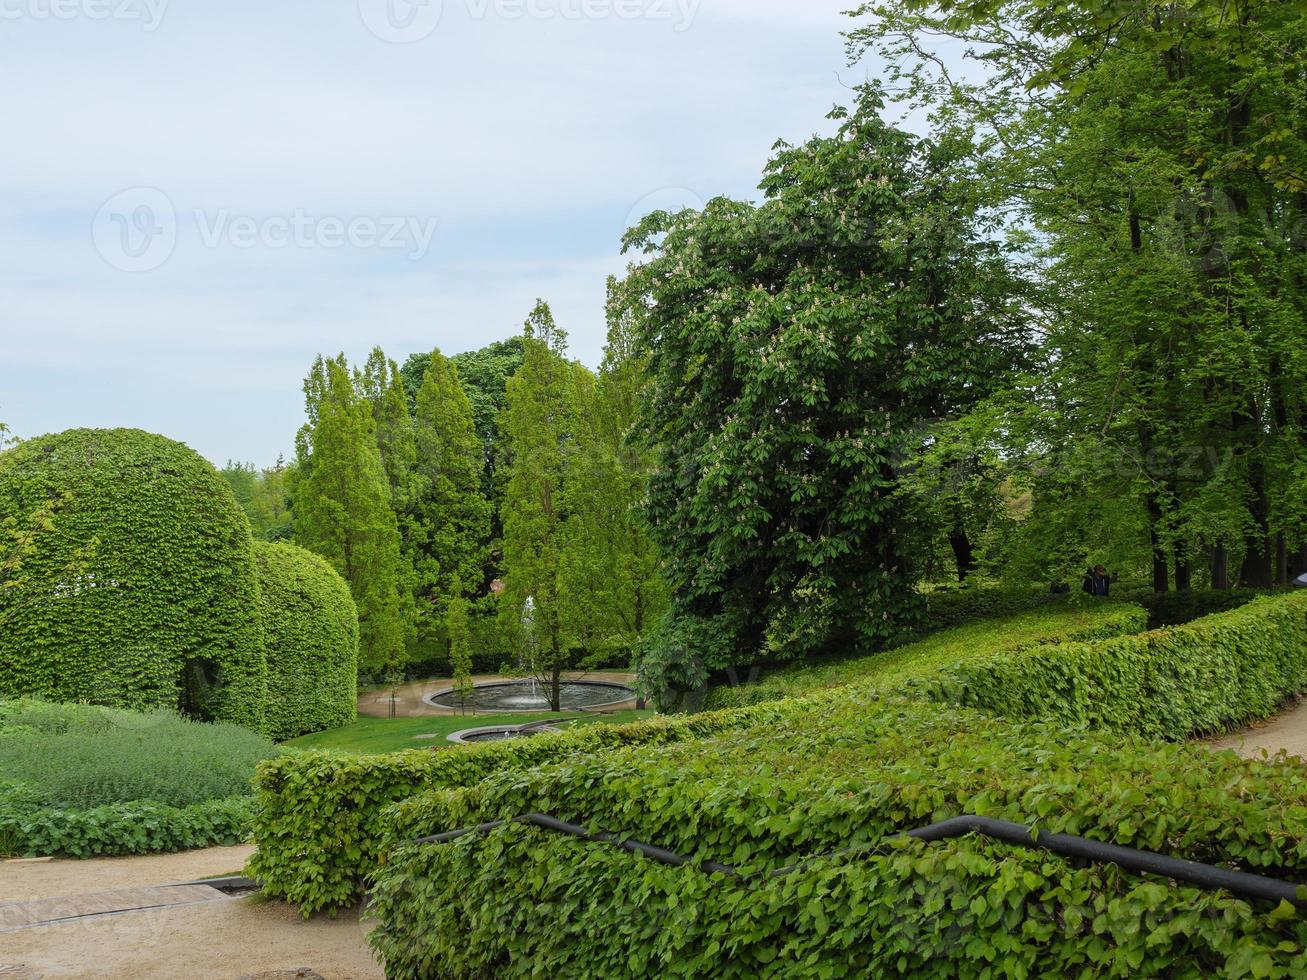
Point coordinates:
[[374, 735]]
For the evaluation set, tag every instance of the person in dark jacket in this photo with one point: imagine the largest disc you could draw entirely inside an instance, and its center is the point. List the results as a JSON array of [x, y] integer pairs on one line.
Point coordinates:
[[1098, 582]]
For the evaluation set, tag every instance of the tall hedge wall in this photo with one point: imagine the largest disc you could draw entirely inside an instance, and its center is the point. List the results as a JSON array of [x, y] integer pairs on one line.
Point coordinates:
[[145, 592], [311, 637]]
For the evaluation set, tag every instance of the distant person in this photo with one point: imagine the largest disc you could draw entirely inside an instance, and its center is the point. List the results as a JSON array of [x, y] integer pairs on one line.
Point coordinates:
[[1060, 588], [1098, 582]]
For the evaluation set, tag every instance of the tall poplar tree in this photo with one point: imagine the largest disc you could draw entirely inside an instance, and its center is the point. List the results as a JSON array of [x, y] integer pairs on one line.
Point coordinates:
[[449, 514], [537, 431], [613, 593], [343, 511]]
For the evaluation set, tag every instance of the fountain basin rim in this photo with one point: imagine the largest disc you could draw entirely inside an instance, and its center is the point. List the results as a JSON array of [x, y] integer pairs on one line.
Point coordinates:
[[466, 735], [431, 699]]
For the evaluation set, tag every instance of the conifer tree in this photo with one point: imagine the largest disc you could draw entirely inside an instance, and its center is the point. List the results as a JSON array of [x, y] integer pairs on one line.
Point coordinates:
[[449, 514], [537, 430], [343, 512]]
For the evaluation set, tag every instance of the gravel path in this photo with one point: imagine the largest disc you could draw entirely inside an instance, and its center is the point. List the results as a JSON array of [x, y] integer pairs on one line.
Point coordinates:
[[223, 940], [1286, 732]]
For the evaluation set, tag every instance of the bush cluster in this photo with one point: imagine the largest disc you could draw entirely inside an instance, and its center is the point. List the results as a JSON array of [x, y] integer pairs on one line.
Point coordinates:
[[320, 821], [311, 637], [83, 780], [991, 638], [143, 594], [1206, 676], [847, 766], [873, 765], [146, 590]]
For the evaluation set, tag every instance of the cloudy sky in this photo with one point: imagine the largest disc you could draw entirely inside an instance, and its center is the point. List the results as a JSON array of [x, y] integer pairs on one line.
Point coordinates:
[[197, 196]]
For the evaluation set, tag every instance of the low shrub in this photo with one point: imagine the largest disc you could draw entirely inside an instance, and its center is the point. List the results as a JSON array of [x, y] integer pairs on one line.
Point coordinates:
[[976, 641], [80, 756], [319, 817], [140, 827], [764, 796], [82, 780], [1206, 676]]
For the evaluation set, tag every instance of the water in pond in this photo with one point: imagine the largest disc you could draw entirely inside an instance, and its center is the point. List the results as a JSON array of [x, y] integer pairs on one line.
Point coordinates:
[[531, 696]]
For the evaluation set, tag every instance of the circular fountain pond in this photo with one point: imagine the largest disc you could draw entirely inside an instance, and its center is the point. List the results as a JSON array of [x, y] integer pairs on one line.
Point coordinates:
[[510, 696], [498, 733]]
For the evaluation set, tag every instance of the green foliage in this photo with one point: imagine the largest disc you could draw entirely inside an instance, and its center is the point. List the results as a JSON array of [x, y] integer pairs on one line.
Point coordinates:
[[1206, 676], [118, 829], [484, 376], [538, 430], [83, 780], [796, 350], [343, 511], [611, 591], [1001, 639], [319, 820], [973, 911], [311, 638], [1158, 155], [762, 796], [139, 589], [460, 656], [264, 495], [449, 520]]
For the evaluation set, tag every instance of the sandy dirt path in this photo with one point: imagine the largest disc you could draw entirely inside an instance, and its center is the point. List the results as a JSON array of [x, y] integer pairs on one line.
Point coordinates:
[[28, 880], [223, 940], [1286, 732]]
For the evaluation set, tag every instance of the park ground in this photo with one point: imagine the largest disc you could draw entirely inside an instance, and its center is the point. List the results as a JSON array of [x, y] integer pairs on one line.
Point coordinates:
[[228, 938]]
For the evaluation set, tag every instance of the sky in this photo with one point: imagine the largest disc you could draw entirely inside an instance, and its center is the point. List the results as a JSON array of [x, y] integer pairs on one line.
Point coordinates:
[[199, 196]]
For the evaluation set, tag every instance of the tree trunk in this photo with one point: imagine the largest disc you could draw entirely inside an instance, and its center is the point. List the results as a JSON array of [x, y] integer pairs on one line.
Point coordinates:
[[1161, 577], [1281, 561], [1183, 572], [962, 553], [1220, 567]]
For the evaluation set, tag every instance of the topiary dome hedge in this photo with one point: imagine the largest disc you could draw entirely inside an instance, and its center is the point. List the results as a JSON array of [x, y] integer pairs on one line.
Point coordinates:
[[311, 637], [143, 592]]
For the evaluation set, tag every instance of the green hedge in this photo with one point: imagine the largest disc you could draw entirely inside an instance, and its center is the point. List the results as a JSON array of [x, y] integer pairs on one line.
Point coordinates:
[[311, 638], [977, 641], [319, 819], [144, 592], [870, 767], [517, 905], [116, 829], [1206, 676]]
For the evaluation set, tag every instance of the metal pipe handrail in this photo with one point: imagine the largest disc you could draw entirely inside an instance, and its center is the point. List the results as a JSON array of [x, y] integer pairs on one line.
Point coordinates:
[[1135, 861]]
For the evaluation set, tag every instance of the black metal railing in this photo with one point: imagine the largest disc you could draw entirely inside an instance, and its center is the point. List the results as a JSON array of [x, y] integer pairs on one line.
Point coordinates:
[[1205, 876]]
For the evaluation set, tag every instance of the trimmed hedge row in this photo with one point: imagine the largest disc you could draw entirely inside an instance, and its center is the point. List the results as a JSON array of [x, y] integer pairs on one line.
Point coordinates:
[[518, 905], [764, 796], [117, 829], [311, 636], [963, 644], [319, 819], [1207, 676]]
